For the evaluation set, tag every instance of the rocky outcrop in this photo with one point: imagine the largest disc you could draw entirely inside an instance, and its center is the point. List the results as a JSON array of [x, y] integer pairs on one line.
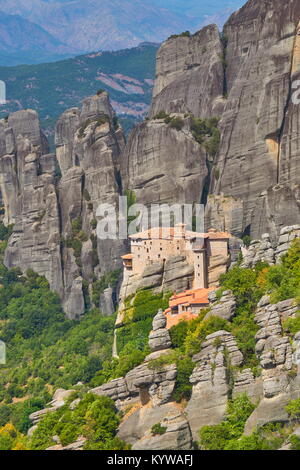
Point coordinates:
[[28, 188], [54, 216], [144, 384], [148, 163], [145, 396], [287, 236], [78, 445], [258, 161], [274, 350], [265, 251], [159, 338], [189, 74], [59, 399], [173, 275], [177, 435], [225, 308], [89, 144], [210, 380]]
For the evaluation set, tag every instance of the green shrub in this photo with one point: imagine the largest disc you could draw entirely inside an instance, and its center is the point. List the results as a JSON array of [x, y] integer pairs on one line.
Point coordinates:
[[293, 409], [291, 326], [206, 133], [295, 442], [183, 387], [185, 34], [284, 279], [247, 240], [158, 429], [94, 224], [161, 115], [219, 436], [76, 225], [177, 123], [95, 418], [197, 335]]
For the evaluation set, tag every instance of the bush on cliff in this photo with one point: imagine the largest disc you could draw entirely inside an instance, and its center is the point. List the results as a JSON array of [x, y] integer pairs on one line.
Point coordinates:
[[219, 436], [94, 418], [284, 279]]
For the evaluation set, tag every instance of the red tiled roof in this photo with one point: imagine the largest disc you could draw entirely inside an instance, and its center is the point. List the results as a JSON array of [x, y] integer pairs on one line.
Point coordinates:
[[129, 256], [169, 233], [190, 297]]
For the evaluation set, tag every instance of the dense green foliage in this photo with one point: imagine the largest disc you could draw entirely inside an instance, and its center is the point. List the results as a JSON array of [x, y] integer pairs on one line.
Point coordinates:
[[283, 280], [139, 314], [220, 436], [94, 418], [54, 87], [46, 351], [293, 409], [206, 133]]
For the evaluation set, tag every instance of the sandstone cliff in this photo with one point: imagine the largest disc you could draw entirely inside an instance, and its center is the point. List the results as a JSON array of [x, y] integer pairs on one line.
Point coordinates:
[[146, 394], [52, 199], [246, 77], [258, 161]]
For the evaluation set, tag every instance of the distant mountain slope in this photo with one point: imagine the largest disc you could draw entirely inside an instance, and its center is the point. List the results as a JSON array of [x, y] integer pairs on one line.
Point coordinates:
[[114, 24], [52, 88], [21, 38]]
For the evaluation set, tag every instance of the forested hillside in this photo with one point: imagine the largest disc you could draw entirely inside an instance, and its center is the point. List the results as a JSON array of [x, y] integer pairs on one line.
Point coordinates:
[[52, 88]]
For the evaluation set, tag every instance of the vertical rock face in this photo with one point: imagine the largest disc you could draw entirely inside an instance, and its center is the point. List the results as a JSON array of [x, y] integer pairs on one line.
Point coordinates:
[[280, 383], [148, 166], [189, 80], [210, 380], [89, 144], [189, 74], [258, 161], [30, 198], [55, 217]]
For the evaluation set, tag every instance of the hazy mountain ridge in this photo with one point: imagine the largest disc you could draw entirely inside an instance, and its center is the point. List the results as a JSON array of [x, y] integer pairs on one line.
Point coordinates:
[[21, 38], [51, 88], [110, 25]]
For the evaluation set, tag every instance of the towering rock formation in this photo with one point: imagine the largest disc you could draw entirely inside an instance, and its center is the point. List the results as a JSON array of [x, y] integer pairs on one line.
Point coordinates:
[[189, 81], [54, 215], [89, 144], [190, 74], [258, 161], [247, 76], [28, 177]]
